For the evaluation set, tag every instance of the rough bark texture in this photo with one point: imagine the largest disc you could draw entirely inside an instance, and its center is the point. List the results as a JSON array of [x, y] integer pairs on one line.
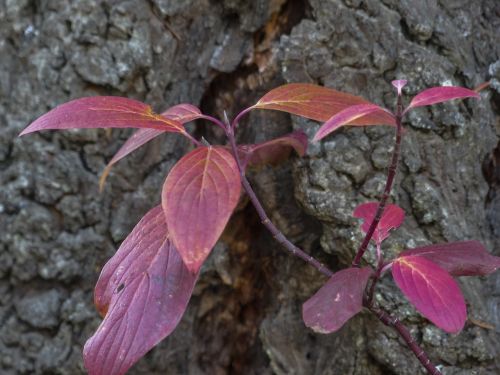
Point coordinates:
[[57, 231]]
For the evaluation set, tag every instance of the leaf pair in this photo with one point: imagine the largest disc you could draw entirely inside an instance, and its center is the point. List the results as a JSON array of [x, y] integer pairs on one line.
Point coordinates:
[[342, 296], [423, 274], [371, 114], [182, 113]]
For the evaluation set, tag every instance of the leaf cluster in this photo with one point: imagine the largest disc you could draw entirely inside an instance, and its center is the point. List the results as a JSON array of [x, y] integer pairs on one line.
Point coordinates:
[[144, 289]]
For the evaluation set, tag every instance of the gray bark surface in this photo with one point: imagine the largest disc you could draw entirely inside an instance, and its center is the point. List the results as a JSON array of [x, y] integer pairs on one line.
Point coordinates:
[[57, 231]]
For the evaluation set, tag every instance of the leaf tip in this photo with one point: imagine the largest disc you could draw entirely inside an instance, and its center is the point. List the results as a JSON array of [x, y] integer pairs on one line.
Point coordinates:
[[317, 137], [25, 131], [193, 267], [104, 176]]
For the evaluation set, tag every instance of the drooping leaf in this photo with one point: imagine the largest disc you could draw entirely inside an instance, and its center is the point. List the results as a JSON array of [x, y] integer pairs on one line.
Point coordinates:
[[274, 151], [198, 197], [103, 112], [317, 103], [392, 217], [182, 113], [337, 301], [464, 258], [432, 291], [142, 292], [349, 116], [436, 95]]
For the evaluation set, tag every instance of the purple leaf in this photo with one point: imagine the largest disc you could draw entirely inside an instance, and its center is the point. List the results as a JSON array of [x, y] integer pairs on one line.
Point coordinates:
[[432, 291], [441, 94], [350, 115], [103, 112], [182, 113], [337, 301], [392, 217], [273, 151], [198, 197], [143, 292], [465, 258]]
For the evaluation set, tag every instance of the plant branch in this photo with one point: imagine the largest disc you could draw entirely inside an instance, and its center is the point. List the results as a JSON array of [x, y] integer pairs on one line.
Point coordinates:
[[388, 186], [214, 120], [394, 322], [238, 118], [383, 316], [280, 237]]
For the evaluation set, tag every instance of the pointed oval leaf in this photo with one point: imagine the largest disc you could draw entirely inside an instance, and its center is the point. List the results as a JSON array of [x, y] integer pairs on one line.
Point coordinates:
[[274, 151], [143, 292], [463, 258], [337, 301], [182, 113], [436, 95], [316, 102], [432, 291], [392, 217], [198, 197], [103, 112], [350, 115]]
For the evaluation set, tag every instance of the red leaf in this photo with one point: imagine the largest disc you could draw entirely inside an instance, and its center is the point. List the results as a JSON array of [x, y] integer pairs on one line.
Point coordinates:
[[392, 217], [199, 195], [337, 301], [143, 291], [441, 94], [103, 112], [432, 291], [350, 115], [182, 113], [316, 102], [273, 151], [465, 258]]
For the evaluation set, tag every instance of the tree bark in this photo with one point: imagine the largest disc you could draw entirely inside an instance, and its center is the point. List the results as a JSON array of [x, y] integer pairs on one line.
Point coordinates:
[[57, 231]]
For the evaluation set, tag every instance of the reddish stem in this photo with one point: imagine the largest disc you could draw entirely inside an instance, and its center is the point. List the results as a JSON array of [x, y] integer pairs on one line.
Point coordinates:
[[192, 139], [214, 120], [280, 237], [235, 122], [383, 316], [394, 322], [388, 186]]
